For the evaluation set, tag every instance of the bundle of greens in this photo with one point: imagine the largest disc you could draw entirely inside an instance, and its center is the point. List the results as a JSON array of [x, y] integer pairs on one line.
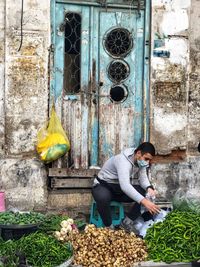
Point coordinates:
[[51, 223], [19, 218]]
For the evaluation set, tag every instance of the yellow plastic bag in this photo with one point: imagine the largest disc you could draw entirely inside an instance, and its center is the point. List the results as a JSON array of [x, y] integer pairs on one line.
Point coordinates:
[[52, 142]]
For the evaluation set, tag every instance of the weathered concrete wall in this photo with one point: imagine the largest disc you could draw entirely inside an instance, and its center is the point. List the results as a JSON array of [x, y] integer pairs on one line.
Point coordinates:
[[169, 74], [25, 184], [167, 178], [194, 86], [175, 94], [26, 90], [23, 100], [2, 78]]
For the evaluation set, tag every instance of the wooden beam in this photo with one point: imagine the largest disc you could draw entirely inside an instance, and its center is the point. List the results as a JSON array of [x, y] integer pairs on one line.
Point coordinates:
[[71, 182], [64, 172]]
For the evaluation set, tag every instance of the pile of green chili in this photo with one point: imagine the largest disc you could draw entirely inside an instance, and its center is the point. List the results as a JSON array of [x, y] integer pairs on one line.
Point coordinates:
[[176, 239], [40, 250]]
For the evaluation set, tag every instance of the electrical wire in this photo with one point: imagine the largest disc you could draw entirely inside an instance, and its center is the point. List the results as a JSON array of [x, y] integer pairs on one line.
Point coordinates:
[[22, 12]]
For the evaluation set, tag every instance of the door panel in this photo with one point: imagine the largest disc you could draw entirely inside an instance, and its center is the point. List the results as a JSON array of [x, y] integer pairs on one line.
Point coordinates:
[[98, 80], [117, 109], [74, 72]]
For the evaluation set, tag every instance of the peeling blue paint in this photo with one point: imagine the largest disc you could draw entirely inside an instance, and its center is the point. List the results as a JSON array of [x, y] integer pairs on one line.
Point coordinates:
[[95, 143], [159, 43], [161, 53]]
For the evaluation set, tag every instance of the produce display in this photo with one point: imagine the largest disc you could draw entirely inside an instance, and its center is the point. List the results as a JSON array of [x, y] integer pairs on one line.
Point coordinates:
[[18, 218], [97, 247], [40, 250], [176, 239], [57, 238]]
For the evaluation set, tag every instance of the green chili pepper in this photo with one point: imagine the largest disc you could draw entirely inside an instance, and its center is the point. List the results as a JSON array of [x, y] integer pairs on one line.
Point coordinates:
[[175, 239]]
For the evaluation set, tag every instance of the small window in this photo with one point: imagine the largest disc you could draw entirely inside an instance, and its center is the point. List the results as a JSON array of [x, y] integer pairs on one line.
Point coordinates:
[[118, 42], [72, 53], [118, 70], [118, 93]]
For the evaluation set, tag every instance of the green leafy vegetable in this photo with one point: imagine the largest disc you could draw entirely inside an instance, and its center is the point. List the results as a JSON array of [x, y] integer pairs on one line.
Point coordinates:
[[18, 218], [52, 222]]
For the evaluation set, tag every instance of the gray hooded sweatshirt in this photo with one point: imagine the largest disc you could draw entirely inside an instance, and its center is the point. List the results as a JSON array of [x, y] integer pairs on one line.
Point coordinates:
[[120, 169]]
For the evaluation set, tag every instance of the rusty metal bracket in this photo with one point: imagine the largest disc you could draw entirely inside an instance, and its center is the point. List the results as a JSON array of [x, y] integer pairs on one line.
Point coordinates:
[[139, 8]]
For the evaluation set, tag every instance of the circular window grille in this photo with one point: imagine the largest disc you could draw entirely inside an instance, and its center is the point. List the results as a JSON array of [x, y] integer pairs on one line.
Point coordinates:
[[118, 71], [118, 93], [118, 42]]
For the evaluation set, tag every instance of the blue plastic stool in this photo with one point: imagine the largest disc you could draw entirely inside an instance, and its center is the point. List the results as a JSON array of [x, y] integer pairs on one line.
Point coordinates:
[[117, 212]]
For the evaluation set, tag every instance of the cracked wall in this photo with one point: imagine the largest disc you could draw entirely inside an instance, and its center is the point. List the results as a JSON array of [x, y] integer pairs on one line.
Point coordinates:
[[194, 85], [23, 101], [169, 75]]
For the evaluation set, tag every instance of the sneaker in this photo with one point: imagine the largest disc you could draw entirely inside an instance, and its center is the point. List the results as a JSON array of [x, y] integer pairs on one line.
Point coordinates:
[[128, 225]]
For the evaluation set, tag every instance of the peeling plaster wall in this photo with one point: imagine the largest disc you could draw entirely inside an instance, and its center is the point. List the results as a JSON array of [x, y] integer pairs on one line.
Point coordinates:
[[26, 91], [194, 86], [24, 183], [169, 75], [2, 79], [23, 100], [175, 108]]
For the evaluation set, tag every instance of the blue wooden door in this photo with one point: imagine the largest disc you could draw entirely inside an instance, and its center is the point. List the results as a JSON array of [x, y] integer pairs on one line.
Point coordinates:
[[98, 79]]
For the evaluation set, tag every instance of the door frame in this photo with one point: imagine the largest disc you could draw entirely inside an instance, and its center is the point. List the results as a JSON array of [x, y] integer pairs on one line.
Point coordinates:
[[146, 61]]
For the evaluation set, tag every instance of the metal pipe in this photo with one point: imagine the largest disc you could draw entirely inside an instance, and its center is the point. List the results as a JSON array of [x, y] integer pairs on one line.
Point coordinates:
[[135, 6]]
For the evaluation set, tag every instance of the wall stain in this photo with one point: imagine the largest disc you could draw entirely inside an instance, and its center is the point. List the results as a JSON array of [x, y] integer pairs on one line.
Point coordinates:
[[171, 72], [24, 72], [173, 92]]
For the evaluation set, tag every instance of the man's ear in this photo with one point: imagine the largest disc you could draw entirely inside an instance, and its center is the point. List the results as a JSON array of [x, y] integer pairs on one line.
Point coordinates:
[[198, 147]]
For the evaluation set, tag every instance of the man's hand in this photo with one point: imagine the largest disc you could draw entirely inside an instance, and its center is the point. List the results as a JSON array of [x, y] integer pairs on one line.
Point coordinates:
[[150, 206], [151, 192]]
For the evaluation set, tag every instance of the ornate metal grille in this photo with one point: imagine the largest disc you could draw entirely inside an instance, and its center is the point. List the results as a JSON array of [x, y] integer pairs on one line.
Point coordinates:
[[72, 53], [118, 42], [118, 71]]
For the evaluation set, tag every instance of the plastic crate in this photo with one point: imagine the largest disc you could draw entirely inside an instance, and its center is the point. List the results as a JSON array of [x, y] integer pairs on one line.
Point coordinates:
[[16, 231]]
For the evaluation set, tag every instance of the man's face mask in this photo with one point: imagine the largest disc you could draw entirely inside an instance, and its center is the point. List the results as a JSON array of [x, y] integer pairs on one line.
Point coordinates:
[[142, 163]]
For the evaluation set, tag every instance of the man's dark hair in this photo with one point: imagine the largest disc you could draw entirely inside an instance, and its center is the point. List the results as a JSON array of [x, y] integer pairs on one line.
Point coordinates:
[[198, 147], [146, 147]]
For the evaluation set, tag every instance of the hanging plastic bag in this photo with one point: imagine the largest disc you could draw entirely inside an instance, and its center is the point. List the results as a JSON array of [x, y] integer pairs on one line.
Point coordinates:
[[187, 200], [52, 142]]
